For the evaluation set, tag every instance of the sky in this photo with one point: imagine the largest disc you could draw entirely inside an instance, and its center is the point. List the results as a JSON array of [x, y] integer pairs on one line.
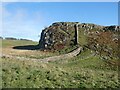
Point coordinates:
[[59, 0], [28, 19]]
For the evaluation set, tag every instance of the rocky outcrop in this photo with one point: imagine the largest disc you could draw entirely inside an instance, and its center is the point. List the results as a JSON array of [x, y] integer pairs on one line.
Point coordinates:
[[61, 34], [58, 35], [112, 28]]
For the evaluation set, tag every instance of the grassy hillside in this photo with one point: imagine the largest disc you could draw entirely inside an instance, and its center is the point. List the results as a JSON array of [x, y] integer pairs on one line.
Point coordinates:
[[86, 70]]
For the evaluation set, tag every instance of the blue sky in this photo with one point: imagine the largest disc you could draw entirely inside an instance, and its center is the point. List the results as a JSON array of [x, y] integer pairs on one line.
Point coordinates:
[[27, 19]]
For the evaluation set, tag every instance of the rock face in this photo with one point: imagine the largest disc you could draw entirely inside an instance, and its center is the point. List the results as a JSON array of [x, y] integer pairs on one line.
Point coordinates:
[[58, 35], [61, 34]]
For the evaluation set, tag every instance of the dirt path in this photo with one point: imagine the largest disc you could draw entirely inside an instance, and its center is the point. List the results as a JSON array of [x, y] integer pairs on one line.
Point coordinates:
[[53, 58]]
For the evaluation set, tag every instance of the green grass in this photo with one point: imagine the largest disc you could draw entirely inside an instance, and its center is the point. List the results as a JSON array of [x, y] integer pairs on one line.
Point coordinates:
[[58, 74], [37, 56], [9, 43], [77, 72], [82, 38], [66, 49]]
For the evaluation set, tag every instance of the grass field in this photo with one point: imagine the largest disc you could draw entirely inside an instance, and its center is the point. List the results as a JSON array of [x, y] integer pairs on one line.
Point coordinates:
[[82, 71], [12, 43], [7, 48]]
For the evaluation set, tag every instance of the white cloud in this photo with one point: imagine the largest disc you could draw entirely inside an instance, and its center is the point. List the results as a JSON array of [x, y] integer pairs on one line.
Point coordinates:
[[21, 24]]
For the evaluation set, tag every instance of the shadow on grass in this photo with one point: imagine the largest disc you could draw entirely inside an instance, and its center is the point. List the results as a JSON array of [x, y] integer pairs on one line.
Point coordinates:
[[27, 47]]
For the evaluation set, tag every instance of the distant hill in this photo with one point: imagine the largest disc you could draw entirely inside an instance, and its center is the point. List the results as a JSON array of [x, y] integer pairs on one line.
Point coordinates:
[[1, 37], [25, 39], [12, 38]]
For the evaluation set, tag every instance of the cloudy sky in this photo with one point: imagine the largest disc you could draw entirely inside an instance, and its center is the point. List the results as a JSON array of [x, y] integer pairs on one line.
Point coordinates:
[[27, 19]]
